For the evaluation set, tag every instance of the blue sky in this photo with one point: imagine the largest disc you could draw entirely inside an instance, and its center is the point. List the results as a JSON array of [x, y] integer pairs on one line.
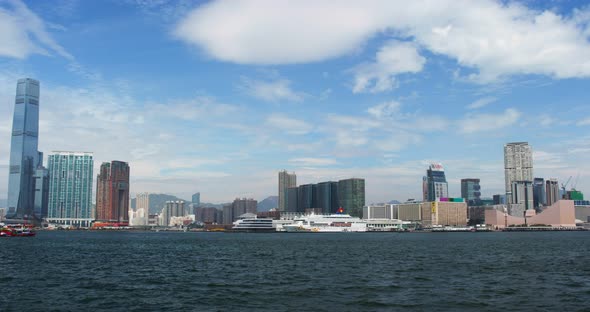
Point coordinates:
[[218, 96]]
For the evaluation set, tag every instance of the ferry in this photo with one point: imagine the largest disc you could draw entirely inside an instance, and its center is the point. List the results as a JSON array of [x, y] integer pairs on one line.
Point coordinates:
[[16, 231], [326, 223], [253, 224]]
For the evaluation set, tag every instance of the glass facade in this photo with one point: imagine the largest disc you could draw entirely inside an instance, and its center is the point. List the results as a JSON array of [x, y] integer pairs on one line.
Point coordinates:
[[471, 192], [24, 157], [327, 197], [351, 196], [70, 188], [436, 182]]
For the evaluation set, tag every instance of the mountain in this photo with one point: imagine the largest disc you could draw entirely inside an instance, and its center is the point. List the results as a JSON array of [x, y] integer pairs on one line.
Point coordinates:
[[268, 203]]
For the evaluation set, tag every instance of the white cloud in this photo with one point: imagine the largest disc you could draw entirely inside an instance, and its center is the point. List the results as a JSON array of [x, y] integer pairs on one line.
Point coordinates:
[[481, 103], [393, 58], [22, 33], [288, 124], [312, 161], [271, 91], [584, 122], [489, 122], [493, 38], [387, 109]]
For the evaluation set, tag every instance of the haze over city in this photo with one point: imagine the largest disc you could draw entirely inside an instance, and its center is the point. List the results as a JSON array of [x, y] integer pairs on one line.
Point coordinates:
[[194, 98]]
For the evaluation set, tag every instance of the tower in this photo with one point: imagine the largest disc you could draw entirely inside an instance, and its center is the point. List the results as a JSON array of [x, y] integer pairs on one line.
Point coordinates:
[[286, 180], [112, 192], [518, 165], [24, 156]]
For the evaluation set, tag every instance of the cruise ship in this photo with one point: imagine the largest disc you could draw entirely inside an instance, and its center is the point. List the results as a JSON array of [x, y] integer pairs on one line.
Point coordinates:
[[253, 224], [326, 223]]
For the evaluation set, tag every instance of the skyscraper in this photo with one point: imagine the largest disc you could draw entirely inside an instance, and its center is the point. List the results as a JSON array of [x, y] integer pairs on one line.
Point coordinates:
[[24, 156], [351, 196], [196, 200], [70, 188], [538, 193], [286, 180], [551, 191], [436, 182], [112, 192], [471, 191], [522, 197], [327, 197], [518, 165]]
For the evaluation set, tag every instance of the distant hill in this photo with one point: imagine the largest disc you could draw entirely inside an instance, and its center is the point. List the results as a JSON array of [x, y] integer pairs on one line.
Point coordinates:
[[268, 203]]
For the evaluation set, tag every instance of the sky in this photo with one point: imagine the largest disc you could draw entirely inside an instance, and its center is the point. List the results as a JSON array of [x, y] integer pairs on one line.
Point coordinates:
[[218, 96]]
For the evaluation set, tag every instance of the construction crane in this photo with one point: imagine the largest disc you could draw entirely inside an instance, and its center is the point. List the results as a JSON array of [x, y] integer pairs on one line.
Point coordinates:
[[563, 186], [575, 184]]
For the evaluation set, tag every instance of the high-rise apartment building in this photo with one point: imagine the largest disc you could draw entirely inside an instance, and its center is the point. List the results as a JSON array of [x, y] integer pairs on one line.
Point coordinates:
[[551, 191], [351, 196], [70, 188], [286, 180], [436, 181], [292, 199], [142, 201], [471, 192], [518, 165], [24, 156], [112, 192]]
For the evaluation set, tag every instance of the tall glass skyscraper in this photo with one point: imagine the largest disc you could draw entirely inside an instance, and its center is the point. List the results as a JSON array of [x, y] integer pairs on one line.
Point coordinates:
[[351, 196], [436, 182], [24, 156], [70, 188]]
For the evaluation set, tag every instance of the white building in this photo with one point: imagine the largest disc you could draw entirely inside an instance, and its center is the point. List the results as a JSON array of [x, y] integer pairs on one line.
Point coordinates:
[[518, 165]]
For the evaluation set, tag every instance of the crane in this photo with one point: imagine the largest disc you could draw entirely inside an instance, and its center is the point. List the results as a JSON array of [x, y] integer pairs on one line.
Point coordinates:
[[563, 186], [575, 184]]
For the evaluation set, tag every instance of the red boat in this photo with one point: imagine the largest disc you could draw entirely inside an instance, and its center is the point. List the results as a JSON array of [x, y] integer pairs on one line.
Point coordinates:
[[16, 232]]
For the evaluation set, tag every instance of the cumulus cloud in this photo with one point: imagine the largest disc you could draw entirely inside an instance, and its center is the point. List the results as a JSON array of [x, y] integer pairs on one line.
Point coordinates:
[[392, 59], [488, 122], [270, 90], [22, 33], [495, 39]]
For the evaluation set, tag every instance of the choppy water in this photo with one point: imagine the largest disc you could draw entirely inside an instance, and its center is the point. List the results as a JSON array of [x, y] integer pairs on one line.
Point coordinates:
[[137, 271]]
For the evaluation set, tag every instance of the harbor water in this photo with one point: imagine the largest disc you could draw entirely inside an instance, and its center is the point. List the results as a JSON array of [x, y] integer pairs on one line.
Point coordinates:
[[148, 271]]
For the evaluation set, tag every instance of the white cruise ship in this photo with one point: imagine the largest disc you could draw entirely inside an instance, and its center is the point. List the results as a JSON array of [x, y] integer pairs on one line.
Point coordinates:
[[250, 223], [326, 223]]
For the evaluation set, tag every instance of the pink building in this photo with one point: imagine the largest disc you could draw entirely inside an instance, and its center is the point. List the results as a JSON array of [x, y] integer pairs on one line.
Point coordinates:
[[561, 214]]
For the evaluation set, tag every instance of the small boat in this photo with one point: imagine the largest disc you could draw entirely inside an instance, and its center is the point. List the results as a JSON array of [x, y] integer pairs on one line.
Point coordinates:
[[20, 231]]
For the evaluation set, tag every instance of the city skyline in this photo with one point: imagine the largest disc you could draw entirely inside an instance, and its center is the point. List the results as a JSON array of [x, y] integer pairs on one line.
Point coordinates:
[[190, 110]]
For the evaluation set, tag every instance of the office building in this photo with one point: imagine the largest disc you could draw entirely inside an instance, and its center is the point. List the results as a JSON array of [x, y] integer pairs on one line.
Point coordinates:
[[327, 197], [292, 199], [41, 199], [551, 192], [518, 165], [521, 197], [70, 188], [444, 213], [24, 156], [112, 192], [351, 196], [196, 200], [539, 197], [471, 192], [305, 197], [436, 182], [387, 211], [286, 180]]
